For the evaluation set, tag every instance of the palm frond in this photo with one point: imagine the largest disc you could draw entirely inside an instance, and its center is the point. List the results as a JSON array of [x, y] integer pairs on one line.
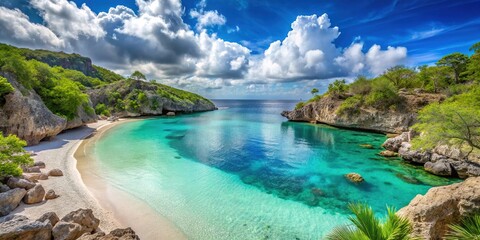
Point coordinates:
[[396, 227], [366, 221], [468, 229], [346, 233]]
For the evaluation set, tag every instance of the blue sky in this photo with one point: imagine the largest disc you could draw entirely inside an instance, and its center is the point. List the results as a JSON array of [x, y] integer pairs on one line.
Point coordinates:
[[219, 48]]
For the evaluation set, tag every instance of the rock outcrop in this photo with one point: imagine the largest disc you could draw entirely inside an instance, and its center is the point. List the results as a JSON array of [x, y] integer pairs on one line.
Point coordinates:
[[430, 214], [25, 115], [123, 234], [354, 177], [388, 121], [18, 227], [158, 99], [9, 200]]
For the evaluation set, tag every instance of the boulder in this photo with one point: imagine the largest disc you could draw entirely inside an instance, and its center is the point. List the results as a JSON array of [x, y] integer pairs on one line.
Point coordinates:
[[4, 188], [34, 195], [39, 164], [50, 195], [34, 169], [354, 177], [416, 156], [85, 218], [66, 231], [394, 143], [55, 172], [18, 227], [123, 234], [430, 214], [34, 177], [440, 168], [14, 182], [170, 114], [388, 153], [49, 217], [9, 200]]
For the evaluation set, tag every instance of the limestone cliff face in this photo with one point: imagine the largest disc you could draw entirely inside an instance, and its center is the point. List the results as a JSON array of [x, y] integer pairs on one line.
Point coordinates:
[[157, 101], [386, 121], [26, 116], [430, 214]]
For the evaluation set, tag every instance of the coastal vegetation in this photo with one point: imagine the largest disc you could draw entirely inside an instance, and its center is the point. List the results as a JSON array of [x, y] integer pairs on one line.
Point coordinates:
[[12, 156], [468, 229], [453, 122], [366, 226]]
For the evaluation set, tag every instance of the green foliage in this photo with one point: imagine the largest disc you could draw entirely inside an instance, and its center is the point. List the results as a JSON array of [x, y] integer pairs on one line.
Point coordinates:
[[434, 78], [366, 226], [351, 105], [12, 156], [383, 94], [5, 87], [142, 98], [77, 77], [314, 91], [101, 109], [338, 87], [454, 122], [361, 86], [457, 62], [107, 75], [401, 77], [137, 75], [177, 94], [299, 105], [468, 229]]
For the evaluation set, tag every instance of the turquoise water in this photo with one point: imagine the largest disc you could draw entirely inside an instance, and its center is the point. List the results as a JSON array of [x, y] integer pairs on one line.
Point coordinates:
[[244, 172]]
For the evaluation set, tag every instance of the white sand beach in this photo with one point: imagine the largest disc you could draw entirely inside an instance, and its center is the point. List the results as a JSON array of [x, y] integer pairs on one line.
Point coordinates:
[[85, 188]]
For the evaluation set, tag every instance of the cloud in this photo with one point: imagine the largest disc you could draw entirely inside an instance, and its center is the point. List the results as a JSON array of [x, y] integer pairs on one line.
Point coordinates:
[[309, 52], [206, 18], [17, 29], [156, 41]]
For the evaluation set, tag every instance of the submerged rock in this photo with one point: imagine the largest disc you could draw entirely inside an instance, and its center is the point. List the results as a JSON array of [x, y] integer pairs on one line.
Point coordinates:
[[354, 177], [388, 153], [430, 214], [9, 200], [367, 146]]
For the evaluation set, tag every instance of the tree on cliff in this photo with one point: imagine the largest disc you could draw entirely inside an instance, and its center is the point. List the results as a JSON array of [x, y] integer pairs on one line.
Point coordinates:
[[457, 62], [314, 91], [5, 87], [137, 75], [400, 76], [367, 226], [12, 155], [455, 122]]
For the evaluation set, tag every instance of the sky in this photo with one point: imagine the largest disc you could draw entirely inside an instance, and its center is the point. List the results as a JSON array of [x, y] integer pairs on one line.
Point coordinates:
[[246, 49]]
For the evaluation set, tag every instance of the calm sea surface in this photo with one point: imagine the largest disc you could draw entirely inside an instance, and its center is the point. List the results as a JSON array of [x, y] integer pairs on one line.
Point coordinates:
[[244, 172]]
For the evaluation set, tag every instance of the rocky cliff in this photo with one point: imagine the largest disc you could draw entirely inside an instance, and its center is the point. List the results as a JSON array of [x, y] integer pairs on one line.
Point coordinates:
[[430, 214], [325, 110], [138, 98], [25, 115]]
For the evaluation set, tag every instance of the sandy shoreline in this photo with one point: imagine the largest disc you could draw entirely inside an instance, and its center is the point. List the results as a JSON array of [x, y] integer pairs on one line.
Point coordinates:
[[126, 209], [83, 187]]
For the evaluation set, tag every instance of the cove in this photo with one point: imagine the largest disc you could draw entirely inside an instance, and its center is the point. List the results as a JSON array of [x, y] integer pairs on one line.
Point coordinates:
[[244, 172]]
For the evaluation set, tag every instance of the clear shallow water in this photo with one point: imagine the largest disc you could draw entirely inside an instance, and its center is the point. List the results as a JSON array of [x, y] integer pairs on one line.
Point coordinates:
[[244, 172]]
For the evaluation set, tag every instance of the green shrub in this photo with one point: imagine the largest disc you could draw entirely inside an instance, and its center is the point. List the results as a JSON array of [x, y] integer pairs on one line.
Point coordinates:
[[5, 87], [383, 94], [101, 109], [351, 105], [12, 156], [299, 105], [142, 98], [338, 87], [361, 86]]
